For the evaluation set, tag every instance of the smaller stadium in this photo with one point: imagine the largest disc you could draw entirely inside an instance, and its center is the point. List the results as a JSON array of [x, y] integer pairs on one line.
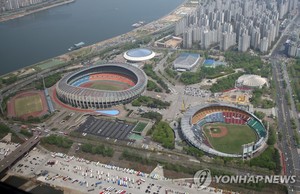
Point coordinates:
[[223, 130], [102, 86], [186, 61], [27, 104], [251, 81], [138, 55]]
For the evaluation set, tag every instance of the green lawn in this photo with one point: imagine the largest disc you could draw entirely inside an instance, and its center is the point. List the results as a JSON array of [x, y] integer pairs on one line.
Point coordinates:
[[50, 63], [231, 143], [109, 85], [28, 104], [139, 127]]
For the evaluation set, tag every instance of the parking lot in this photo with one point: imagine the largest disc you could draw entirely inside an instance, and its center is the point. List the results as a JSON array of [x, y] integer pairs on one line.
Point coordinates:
[[106, 128], [94, 177], [194, 91], [7, 148]]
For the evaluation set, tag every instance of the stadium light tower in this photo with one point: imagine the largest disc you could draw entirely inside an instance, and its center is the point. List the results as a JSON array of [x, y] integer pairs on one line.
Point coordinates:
[[1, 99], [43, 82]]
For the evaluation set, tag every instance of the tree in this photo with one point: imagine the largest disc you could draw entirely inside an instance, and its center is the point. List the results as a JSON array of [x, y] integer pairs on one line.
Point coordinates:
[[259, 114]]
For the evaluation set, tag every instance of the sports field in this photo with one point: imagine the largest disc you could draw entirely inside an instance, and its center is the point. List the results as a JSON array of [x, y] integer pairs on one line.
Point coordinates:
[[28, 104], [139, 127], [229, 138], [107, 85]]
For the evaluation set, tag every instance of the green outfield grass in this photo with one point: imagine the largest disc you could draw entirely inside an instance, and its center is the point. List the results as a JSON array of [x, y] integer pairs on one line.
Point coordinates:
[[28, 104], [109, 85], [232, 142]]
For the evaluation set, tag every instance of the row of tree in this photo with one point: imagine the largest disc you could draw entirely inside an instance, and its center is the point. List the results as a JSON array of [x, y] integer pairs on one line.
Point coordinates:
[[150, 102], [49, 81], [152, 86], [225, 83], [257, 99], [98, 149], [269, 159], [149, 71], [294, 72], [163, 134], [59, 141], [250, 63], [152, 115]]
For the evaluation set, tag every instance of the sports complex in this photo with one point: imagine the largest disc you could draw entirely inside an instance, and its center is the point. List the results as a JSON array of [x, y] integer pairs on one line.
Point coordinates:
[[223, 130], [102, 86]]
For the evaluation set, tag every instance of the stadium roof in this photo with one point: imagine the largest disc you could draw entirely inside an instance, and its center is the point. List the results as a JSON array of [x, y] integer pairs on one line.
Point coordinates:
[[139, 54], [186, 61], [251, 80], [65, 88]]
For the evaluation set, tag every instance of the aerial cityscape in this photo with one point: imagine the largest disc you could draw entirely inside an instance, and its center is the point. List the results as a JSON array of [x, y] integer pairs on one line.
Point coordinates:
[[203, 99]]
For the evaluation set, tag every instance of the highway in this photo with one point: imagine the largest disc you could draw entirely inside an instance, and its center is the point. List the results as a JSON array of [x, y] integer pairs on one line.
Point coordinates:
[[287, 145], [10, 159]]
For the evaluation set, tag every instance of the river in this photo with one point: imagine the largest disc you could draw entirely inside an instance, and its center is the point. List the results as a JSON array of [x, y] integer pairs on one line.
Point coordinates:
[[49, 33]]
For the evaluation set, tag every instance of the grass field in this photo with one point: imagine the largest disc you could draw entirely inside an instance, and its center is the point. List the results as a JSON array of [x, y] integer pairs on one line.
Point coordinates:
[[139, 127], [28, 104], [237, 135], [109, 85], [50, 63]]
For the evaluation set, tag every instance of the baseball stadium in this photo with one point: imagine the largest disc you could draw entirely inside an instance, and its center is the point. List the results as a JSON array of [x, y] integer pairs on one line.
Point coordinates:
[[102, 86], [223, 130]]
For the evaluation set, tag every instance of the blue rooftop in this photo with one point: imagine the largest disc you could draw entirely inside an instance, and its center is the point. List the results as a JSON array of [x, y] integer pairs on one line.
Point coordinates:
[[185, 55], [209, 62], [139, 52]]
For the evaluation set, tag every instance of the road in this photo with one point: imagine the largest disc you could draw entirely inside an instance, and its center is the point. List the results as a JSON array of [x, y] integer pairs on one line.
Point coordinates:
[[287, 145], [10, 159]]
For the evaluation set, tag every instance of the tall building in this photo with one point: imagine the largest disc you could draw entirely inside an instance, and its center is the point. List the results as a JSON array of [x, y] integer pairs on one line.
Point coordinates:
[[244, 42], [264, 44], [187, 39], [8, 5], [180, 26], [206, 39], [255, 39], [292, 49], [221, 18]]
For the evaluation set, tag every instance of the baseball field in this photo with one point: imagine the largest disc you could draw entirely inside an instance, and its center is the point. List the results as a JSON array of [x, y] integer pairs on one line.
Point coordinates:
[[229, 138]]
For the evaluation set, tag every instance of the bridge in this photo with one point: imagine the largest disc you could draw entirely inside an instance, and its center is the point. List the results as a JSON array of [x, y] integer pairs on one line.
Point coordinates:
[[17, 154]]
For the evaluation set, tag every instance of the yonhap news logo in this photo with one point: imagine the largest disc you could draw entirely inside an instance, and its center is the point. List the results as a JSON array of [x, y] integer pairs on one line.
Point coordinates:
[[203, 179]]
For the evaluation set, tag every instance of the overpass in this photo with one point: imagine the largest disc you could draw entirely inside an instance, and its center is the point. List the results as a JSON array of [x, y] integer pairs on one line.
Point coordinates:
[[17, 154]]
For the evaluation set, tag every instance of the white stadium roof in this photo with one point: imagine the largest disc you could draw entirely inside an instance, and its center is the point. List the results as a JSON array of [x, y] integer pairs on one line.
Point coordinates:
[[139, 54], [251, 80]]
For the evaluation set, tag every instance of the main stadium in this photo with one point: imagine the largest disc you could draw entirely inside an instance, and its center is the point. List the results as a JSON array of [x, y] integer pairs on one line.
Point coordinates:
[[102, 86], [223, 130]]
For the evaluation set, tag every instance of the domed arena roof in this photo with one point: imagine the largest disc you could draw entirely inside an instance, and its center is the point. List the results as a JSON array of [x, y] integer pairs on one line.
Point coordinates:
[[139, 54], [251, 80]]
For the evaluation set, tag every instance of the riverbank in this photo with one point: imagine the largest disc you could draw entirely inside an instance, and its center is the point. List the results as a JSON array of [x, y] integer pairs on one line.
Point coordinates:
[[24, 12], [153, 27]]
